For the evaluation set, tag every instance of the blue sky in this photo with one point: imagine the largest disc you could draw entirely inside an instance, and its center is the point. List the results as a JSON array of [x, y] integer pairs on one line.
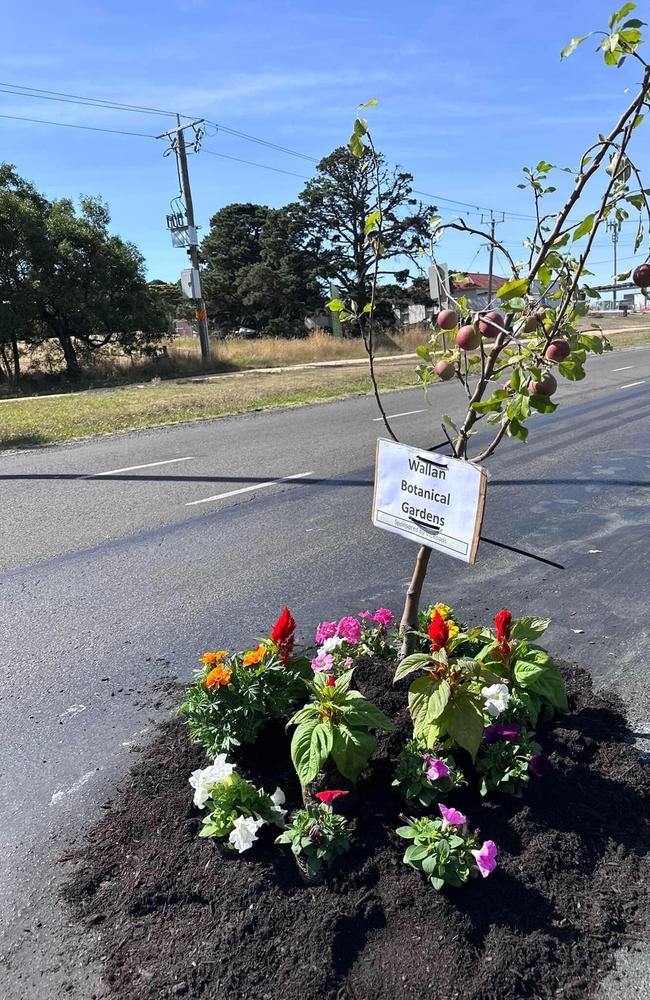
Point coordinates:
[[468, 93]]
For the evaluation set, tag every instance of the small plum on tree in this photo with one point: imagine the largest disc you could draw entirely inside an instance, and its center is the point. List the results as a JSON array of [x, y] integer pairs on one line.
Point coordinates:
[[468, 338], [491, 324], [447, 319], [558, 350]]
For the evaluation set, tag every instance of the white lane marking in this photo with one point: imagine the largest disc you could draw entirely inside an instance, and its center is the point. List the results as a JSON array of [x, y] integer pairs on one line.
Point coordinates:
[[250, 489], [61, 793], [394, 416], [631, 384], [625, 368], [147, 465]]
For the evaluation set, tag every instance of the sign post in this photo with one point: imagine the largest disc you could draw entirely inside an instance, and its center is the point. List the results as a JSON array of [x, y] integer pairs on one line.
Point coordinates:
[[429, 498]]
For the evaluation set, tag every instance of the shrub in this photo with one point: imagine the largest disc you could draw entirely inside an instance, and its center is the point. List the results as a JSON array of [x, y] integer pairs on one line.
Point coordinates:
[[317, 835], [444, 851], [425, 775]]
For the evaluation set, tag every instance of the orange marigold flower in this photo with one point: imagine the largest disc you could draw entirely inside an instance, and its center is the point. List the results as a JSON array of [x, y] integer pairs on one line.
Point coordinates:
[[253, 656], [211, 659], [218, 677]]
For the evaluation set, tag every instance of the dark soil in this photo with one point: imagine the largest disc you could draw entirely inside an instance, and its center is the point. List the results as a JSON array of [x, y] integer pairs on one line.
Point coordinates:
[[180, 916]]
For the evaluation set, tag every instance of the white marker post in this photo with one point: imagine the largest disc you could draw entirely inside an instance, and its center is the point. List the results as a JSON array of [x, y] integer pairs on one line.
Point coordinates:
[[429, 498]]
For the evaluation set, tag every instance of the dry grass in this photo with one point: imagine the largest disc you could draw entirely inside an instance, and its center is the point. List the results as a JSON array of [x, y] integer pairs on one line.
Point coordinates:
[[78, 415]]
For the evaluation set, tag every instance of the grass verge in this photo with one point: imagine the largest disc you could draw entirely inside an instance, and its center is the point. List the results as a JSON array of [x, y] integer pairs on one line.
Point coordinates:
[[51, 419]]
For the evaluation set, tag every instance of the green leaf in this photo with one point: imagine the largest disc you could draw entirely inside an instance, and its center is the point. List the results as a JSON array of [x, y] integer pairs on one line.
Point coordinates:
[[517, 430], [529, 628], [438, 699], [543, 680], [351, 750], [419, 696], [511, 289], [618, 15], [585, 227], [356, 146], [336, 305], [301, 749], [591, 342], [573, 45], [371, 222], [320, 747], [416, 661], [639, 237], [463, 720], [363, 713], [571, 370], [369, 104], [519, 407]]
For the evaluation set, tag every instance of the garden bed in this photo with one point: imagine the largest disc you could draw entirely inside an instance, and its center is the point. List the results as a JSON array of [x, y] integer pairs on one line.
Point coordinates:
[[180, 916]]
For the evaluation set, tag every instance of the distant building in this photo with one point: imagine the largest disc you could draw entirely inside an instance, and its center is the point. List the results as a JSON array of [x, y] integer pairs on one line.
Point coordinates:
[[474, 287]]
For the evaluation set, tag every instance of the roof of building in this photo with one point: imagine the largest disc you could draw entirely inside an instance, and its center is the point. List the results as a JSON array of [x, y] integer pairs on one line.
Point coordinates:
[[480, 281]]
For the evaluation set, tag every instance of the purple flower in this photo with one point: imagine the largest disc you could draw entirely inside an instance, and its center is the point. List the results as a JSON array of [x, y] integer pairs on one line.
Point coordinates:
[[324, 661], [350, 630], [383, 616], [451, 817], [326, 630], [347, 663], [486, 858], [539, 765], [435, 768], [501, 731]]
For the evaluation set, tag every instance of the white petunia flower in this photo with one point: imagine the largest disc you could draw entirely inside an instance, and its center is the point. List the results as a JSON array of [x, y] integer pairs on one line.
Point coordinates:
[[496, 699], [278, 799], [331, 644], [245, 832], [204, 780]]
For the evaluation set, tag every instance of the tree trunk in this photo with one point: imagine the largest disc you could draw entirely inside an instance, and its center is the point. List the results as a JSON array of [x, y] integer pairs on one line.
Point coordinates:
[[69, 353], [409, 622]]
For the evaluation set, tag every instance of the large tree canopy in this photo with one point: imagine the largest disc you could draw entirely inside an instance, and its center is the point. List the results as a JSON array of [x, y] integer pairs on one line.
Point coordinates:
[[337, 203], [261, 269], [65, 277]]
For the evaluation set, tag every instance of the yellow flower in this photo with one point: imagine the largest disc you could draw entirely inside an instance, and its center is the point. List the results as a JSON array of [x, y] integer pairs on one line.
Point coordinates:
[[254, 656], [443, 610], [218, 677], [453, 628], [211, 659]]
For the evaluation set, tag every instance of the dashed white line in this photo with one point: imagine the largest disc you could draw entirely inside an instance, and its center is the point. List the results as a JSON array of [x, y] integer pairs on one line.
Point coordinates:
[[625, 368], [394, 416], [250, 489], [631, 384], [147, 465]]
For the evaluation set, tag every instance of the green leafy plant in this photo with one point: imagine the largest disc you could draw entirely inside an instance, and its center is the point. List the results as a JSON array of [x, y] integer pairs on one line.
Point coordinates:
[[503, 760], [235, 808], [527, 668], [425, 775], [336, 723], [447, 700], [444, 851], [317, 836]]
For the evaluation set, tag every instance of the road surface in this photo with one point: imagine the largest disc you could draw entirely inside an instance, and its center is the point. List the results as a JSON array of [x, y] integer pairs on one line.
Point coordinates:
[[123, 558]]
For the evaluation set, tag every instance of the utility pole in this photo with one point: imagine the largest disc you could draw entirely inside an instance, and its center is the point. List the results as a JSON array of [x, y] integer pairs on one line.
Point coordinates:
[[179, 147], [614, 228], [493, 224]]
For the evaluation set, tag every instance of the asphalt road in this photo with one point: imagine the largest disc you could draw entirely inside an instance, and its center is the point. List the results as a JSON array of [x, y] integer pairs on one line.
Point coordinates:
[[123, 558]]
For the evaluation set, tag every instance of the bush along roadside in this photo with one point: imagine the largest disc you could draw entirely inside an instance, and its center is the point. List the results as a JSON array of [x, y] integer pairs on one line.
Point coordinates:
[[474, 705]]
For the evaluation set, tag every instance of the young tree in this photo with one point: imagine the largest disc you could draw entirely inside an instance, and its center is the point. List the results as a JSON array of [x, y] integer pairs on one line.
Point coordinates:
[[342, 202], [524, 346]]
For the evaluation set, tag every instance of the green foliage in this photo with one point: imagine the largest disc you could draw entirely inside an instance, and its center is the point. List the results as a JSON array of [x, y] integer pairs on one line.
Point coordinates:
[[220, 718], [441, 853], [318, 836], [411, 773], [503, 765], [336, 723], [232, 797]]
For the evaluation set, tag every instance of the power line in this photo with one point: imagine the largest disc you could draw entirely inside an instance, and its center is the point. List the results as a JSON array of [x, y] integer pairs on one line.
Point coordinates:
[[87, 128], [477, 208], [252, 163]]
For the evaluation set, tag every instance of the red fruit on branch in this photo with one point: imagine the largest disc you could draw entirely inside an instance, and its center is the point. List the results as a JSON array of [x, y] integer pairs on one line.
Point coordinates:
[[558, 350], [491, 324], [444, 370], [545, 387], [468, 338], [641, 276], [447, 319]]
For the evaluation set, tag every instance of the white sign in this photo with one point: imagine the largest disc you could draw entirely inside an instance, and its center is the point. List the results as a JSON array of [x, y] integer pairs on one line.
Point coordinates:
[[191, 283], [429, 498], [439, 283]]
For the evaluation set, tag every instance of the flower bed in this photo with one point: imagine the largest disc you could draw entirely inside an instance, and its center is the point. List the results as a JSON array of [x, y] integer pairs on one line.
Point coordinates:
[[232, 916]]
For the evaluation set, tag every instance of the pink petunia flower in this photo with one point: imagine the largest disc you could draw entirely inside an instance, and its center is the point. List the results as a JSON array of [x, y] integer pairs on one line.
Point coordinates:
[[365, 614], [326, 630], [435, 768], [324, 661], [350, 630], [451, 817], [486, 858], [384, 617]]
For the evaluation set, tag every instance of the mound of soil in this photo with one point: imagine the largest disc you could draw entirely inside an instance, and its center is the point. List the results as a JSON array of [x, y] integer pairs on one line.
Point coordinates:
[[181, 916]]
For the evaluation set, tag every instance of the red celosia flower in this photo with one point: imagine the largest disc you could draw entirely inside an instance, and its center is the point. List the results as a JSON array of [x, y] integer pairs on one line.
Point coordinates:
[[282, 634], [438, 632], [328, 797], [503, 621], [331, 681]]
